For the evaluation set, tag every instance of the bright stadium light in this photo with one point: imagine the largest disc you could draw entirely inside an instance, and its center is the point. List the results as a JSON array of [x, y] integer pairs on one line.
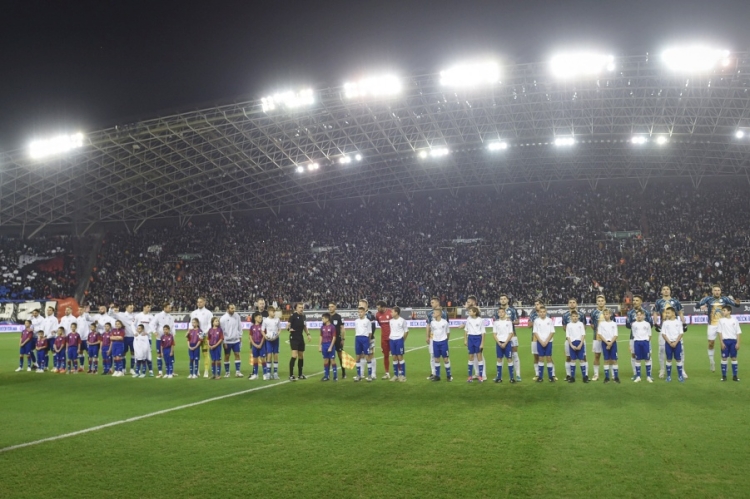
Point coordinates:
[[497, 146], [740, 134], [56, 145], [288, 100], [358, 157], [376, 86], [300, 169], [345, 160], [564, 141], [639, 139], [694, 58], [439, 152], [661, 140], [422, 154], [581, 64], [313, 166], [469, 75]]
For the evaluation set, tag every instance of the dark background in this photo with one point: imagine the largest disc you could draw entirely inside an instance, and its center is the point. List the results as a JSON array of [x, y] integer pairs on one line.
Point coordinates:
[[69, 65]]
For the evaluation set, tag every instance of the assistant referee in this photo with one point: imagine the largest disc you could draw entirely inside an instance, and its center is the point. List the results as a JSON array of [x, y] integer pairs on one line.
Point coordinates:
[[297, 329]]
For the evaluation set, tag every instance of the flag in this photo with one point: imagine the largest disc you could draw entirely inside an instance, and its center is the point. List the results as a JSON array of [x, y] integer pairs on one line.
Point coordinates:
[[347, 361]]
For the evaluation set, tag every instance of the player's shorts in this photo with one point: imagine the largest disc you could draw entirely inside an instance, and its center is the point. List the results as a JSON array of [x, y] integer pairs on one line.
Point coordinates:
[[272, 346], [440, 349], [72, 352], [730, 351], [27, 348], [474, 343], [194, 354], [577, 354], [298, 344], [567, 348], [60, 356], [168, 355], [93, 350], [514, 342], [84, 345], [107, 352], [504, 352], [534, 350], [712, 332], [326, 354], [611, 353], [396, 347], [118, 349], [128, 345], [642, 350], [362, 345], [233, 347], [674, 352], [544, 351], [215, 354], [258, 352], [385, 345], [597, 346]]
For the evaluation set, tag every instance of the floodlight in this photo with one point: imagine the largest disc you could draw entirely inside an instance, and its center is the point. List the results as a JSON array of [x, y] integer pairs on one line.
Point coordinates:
[[422, 154], [661, 140], [468, 75], [56, 145], [564, 141], [313, 166], [740, 134], [358, 157], [497, 146], [344, 160], [373, 87], [439, 152], [639, 139], [581, 64], [694, 58], [288, 100], [300, 169]]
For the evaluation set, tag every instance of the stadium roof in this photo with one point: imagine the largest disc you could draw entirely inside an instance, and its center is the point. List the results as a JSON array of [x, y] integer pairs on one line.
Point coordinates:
[[238, 157]]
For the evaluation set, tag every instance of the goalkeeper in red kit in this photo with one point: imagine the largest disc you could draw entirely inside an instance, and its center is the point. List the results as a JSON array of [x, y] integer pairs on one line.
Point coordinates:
[[383, 316]]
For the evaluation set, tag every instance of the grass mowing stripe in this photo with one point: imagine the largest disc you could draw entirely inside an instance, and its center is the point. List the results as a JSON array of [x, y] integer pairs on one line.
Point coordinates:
[[164, 411]]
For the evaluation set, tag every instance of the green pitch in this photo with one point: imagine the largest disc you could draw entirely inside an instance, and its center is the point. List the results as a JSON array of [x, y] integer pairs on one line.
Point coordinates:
[[380, 439]]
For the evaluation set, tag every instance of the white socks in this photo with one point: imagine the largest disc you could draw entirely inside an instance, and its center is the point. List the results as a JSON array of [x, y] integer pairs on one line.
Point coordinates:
[[516, 364]]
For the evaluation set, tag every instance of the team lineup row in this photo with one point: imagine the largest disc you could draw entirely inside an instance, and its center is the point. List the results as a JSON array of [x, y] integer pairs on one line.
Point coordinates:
[[114, 334]]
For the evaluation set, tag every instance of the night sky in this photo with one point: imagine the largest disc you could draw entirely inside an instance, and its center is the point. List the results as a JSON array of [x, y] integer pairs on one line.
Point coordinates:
[[68, 65]]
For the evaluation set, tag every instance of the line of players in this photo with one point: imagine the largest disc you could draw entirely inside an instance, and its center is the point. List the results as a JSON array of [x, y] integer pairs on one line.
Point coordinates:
[[211, 335]]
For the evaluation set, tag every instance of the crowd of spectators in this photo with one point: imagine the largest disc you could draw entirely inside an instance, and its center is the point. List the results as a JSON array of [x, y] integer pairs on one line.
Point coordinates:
[[526, 242], [42, 267]]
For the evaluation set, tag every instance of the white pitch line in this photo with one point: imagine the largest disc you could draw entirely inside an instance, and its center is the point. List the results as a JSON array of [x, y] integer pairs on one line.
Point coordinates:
[[163, 411]]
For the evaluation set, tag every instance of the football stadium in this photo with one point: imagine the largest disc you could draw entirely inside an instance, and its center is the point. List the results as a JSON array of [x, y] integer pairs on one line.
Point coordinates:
[[491, 278]]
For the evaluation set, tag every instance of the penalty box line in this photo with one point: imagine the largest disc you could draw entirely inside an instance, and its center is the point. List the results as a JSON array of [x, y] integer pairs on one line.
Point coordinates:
[[163, 411]]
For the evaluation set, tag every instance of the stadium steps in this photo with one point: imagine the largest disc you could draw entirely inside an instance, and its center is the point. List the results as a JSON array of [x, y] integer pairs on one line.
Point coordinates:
[[83, 283]]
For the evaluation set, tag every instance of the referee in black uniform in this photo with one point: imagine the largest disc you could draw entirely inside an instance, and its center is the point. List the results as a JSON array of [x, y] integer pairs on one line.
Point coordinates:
[[297, 329], [338, 322]]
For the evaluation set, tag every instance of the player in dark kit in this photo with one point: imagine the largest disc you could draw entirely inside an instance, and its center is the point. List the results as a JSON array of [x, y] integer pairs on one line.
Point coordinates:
[[297, 329], [338, 322]]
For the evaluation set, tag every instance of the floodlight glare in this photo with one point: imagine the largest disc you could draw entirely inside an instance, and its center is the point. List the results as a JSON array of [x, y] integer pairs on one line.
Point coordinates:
[[661, 140], [358, 157], [313, 166], [56, 145], [739, 134], [344, 160], [497, 146], [694, 58], [439, 152], [639, 139], [564, 141], [300, 169], [288, 100], [422, 154], [469, 75], [581, 64], [373, 87]]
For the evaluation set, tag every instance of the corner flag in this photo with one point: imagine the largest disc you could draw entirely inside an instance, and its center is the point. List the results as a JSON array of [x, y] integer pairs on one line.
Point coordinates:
[[347, 361]]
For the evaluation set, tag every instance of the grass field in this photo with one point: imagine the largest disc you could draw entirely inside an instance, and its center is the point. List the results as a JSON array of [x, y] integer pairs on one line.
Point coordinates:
[[413, 439]]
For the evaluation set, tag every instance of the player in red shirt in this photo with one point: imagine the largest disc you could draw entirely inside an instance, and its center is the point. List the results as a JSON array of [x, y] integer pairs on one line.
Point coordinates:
[[59, 348], [27, 345], [41, 348], [383, 316], [73, 340]]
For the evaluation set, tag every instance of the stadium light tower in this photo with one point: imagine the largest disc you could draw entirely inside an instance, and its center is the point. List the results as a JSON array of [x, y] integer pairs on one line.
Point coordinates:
[[497, 146], [581, 64], [639, 140], [288, 100], [437, 152], [564, 141], [375, 86], [694, 58], [471, 75], [39, 149]]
